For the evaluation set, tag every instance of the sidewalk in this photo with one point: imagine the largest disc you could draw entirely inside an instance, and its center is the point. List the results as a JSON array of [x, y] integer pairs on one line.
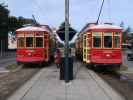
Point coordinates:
[[47, 86]]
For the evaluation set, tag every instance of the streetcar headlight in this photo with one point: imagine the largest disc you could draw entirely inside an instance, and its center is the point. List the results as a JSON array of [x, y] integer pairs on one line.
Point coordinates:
[[29, 54], [20, 55]]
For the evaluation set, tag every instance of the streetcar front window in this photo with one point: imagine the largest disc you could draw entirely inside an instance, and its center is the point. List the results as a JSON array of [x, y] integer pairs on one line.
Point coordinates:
[[21, 42], [97, 40], [116, 40], [29, 41], [39, 41], [108, 40]]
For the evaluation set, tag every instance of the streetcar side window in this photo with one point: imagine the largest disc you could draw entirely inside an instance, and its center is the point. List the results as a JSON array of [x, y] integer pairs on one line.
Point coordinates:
[[84, 40], [20, 42], [96, 39], [116, 40], [39, 41], [108, 40], [29, 41]]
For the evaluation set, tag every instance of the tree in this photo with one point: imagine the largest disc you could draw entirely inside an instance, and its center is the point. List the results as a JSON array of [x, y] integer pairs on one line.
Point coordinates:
[[122, 24], [62, 25], [9, 24], [61, 32], [4, 12], [15, 23], [125, 32]]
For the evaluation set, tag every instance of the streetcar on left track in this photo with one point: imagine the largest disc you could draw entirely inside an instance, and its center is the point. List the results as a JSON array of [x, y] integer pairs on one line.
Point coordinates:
[[35, 44]]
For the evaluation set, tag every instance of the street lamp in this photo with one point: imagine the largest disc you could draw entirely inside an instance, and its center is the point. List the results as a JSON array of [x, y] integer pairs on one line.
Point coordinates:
[[66, 40]]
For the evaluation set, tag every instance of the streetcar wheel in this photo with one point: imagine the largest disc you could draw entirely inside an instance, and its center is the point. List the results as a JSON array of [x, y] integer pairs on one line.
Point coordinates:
[[18, 63], [89, 66], [117, 67]]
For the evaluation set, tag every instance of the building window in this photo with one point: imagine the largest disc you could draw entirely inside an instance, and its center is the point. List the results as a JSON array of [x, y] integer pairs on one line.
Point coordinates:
[[97, 40], [29, 41], [39, 41], [108, 40], [21, 42], [116, 40]]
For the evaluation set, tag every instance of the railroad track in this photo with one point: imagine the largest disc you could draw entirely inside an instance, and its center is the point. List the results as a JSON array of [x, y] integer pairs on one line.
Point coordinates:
[[83, 73], [119, 81]]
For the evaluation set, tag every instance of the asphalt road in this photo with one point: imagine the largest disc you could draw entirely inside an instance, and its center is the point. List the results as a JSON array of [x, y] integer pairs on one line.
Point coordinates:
[[5, 61]]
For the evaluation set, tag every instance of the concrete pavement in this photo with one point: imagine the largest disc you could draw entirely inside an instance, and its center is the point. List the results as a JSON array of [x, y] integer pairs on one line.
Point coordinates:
[[47, 86]]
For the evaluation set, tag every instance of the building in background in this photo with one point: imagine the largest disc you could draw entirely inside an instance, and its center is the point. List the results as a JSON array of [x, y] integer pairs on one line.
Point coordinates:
[[12, 43]]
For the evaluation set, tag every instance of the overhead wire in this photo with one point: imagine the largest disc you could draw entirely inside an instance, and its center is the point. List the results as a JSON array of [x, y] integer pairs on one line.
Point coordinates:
[[37, 8], [101, 8]]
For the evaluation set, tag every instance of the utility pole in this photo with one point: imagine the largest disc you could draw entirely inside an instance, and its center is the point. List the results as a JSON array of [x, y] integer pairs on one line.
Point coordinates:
[[66, 41]]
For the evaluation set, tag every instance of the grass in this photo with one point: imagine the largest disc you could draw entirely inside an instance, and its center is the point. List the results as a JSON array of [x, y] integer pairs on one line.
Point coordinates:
[[12, 67], [123, 68]]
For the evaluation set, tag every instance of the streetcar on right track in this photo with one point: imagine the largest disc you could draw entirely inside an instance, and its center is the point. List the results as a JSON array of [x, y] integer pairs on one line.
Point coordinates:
[[100, 45]]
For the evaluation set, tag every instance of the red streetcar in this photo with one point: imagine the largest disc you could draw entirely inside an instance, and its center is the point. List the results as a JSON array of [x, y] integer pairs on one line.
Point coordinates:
[[100, 45], [35, 44]]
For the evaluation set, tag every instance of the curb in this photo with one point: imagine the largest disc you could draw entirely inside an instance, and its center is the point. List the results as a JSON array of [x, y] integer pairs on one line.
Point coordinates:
[[108, 90], [17, 69], [5, 71]]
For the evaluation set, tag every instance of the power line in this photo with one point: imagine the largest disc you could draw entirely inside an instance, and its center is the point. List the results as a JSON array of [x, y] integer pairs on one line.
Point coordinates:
[[100, 12]]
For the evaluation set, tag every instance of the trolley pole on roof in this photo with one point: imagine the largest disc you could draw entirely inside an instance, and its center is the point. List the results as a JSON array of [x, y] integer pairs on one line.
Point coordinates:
[[66, 74]]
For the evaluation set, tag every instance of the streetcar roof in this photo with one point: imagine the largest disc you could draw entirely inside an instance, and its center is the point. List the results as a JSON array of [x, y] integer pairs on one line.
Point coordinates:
[[32, 28], [105, 26]]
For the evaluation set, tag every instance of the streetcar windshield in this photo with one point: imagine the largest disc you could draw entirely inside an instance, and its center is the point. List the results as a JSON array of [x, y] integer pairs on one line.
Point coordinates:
[[97, 39], [116, 40], [39, 41], [108, 40], [29, 41], [20, 42]]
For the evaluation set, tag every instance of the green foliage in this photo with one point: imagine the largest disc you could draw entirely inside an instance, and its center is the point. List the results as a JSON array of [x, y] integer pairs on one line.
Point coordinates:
[[62, 25], [61, 32], [15, 23], [12, 67], [4, 12], [9, 24]]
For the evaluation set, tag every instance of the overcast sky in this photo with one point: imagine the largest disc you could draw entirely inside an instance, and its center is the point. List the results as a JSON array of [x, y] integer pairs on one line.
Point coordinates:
[[51, 12]]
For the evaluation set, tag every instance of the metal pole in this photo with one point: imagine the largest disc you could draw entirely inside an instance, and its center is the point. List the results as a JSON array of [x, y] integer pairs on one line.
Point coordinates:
[[66, 40], [1, 48]]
